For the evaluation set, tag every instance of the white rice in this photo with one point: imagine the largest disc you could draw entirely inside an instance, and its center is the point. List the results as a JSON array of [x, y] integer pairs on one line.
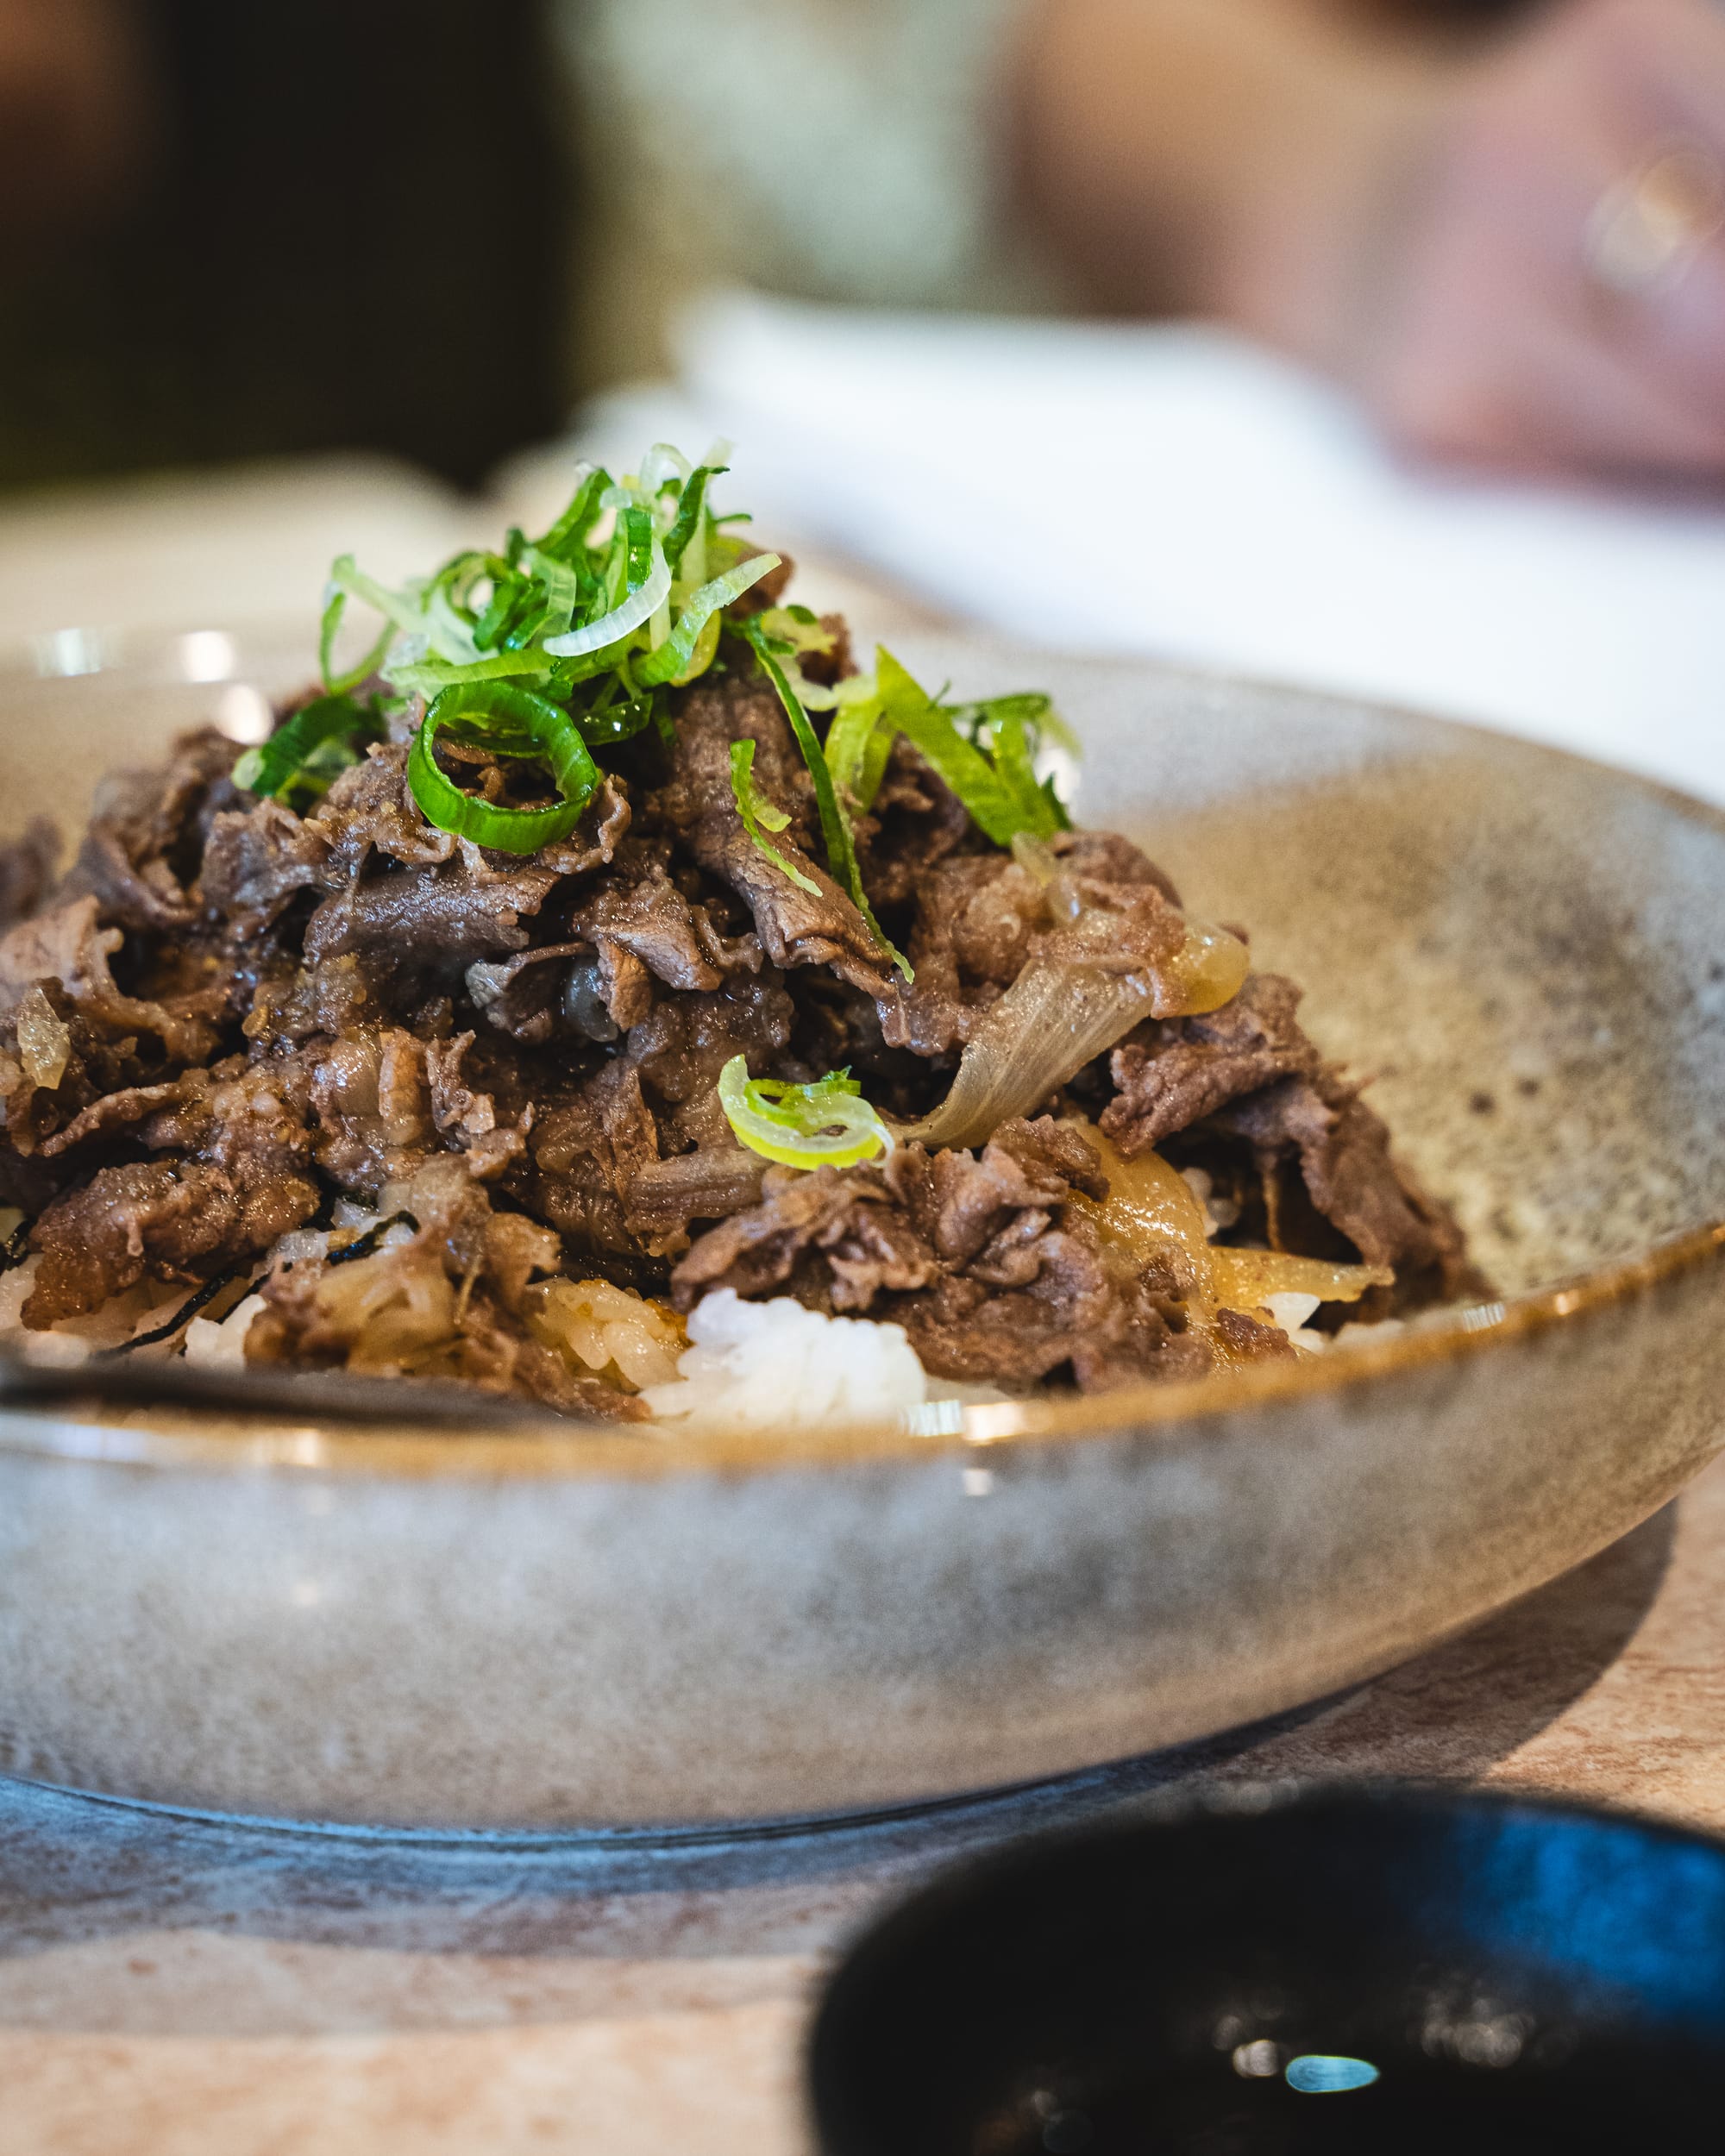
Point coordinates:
[[213, 1344], [758, 1365], [1290, 1311]]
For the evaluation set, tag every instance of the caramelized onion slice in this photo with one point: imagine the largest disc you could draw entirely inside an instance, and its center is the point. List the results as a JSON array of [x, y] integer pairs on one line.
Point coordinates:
[[1245, 1280], [1067, 1007], [1151, 1212]]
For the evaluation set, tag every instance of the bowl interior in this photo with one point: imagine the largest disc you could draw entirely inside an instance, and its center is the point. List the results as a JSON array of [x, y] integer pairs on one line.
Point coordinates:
[[1524, 953], [1345, 1973]]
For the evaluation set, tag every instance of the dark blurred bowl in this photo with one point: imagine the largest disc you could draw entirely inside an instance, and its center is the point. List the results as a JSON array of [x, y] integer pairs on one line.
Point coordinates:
[[1398, 1971]]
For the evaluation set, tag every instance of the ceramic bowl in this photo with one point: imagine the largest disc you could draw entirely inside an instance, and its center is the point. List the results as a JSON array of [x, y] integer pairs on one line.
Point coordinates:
[[575, 1631], [1333, 1973]]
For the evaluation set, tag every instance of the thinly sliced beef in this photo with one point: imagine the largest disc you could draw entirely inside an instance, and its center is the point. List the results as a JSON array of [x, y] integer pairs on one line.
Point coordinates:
[[435, 925], [446, 1300], [142, 826], [164, 1220], [664, 1198], [973, 1254], [981, 918], [797, 926], [1170, 1075], [27, 870], [915, 821], [1341, 1150], [649, 917], [68, 944], [371, 810], [257, 861]]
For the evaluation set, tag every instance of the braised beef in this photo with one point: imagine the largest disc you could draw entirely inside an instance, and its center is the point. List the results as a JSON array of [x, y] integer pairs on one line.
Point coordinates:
[[229, 1014], [1172, 1074], [26, 871]]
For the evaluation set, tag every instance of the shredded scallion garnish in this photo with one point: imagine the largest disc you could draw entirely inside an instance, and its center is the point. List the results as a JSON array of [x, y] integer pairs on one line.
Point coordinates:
[[591, 628], [505, 721], [760, 817], [827, 1124], [835, 821], [299, 759], [993, 772]]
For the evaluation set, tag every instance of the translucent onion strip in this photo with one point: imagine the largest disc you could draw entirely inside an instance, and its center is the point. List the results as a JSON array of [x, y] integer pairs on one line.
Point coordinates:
[[632, 612], [1063, 1011]]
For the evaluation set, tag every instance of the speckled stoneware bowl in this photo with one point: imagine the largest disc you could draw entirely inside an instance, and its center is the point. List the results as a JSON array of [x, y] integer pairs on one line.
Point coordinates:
[[574, 1631]]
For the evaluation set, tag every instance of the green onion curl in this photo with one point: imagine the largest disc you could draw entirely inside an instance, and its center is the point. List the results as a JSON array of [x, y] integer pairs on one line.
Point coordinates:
[[508, 722], [827, 1124]]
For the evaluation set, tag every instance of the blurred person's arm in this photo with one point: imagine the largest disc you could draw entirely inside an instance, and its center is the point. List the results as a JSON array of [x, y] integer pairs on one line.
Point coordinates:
[[1421, 222], [73, 97]]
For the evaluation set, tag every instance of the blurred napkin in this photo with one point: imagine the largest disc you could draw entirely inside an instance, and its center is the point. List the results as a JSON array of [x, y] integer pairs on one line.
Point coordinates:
[[1176, 491]]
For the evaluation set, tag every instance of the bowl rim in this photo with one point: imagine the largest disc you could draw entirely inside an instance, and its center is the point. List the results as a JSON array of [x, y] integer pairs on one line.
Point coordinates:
[[560, 1450], [555, 1450]]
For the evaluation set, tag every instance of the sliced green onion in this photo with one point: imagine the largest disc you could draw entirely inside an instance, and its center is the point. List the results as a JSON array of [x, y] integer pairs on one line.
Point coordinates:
[[688, 526], [572, 528], [415, 610], [429, 677], [280, 764], [759, 816], [825, 1125], [663, 463], [562, 589], [672, 661], [909, 710], [638, 605], [512, 723], [339, 684], [835, 824], [858, 743], [1037, 710], [1010, 743], [609, 723]]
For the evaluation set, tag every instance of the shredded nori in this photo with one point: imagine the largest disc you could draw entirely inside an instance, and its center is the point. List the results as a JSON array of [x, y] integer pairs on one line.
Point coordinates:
[[181, 1317], [366, 1244]]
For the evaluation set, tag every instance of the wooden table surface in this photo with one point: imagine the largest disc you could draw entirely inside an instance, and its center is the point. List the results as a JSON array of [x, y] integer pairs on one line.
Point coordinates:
[[169, 1988]]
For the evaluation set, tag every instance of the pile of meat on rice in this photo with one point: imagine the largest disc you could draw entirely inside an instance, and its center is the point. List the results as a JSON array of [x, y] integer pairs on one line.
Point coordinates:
[[434, 1109]]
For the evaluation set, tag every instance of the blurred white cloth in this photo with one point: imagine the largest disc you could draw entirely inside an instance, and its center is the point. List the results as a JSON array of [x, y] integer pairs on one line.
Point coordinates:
[[1177, 492]]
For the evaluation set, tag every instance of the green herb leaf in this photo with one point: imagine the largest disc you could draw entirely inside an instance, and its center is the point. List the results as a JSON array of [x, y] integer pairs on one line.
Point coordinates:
[[835, 824], [759, 816]]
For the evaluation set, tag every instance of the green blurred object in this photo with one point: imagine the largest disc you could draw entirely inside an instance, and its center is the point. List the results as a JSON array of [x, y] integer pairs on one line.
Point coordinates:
[[351, 236]]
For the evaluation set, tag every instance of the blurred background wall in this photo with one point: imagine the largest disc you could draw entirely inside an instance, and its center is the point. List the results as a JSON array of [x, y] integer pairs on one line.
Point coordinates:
[[1374, 343], [428, 226], [308, 225]]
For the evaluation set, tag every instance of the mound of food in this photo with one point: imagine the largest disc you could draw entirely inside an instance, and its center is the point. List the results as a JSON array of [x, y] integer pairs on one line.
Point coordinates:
[[603, 941]]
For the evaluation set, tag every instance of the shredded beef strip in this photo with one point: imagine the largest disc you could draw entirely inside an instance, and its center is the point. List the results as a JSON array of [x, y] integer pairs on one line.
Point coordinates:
[[26, 871], [229, 1014], [796, 927], [963, 1250]]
